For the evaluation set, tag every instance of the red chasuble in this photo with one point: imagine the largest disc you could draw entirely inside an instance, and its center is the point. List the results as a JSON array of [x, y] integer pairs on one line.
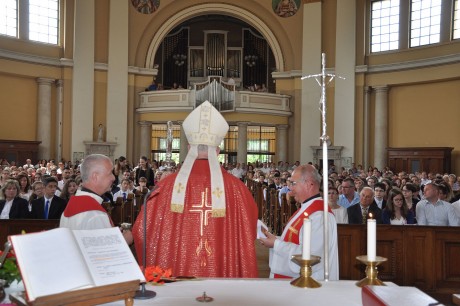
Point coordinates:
[[194, 243]]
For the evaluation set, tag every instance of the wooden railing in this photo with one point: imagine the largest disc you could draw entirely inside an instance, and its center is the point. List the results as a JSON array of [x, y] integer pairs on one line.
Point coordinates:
[[273, 212]]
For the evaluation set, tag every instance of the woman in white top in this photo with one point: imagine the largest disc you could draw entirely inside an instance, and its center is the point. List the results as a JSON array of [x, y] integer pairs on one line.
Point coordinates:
[[396, 211], [25, 190], [12, 206], [340, 212]]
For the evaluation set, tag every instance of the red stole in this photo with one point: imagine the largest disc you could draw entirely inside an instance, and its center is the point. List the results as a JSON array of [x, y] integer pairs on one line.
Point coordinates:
[[294, 230], [83, 203]]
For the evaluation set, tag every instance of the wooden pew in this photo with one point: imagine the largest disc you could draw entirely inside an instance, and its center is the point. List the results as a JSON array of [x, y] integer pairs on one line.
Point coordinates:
[[425, 257], [15, 227], [422, 256]]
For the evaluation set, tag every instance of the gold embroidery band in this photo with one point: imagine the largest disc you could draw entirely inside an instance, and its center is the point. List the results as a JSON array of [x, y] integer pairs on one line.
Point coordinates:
[[178, 208], [292, 229], [218, 213]]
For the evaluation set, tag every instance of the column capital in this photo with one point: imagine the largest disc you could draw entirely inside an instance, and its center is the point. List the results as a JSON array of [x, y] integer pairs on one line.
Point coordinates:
[[282, 126], [145, 123], [242, 123], [59, 83], [381, 89], [45, 81], [311, 1], [367, 89]]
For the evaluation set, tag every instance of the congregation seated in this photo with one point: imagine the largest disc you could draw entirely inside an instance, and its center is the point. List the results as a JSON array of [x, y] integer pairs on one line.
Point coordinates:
[[347, 181]]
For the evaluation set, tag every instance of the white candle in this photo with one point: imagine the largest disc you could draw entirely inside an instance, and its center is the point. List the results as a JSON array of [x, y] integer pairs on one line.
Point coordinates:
[[306, 238], [371, 239]]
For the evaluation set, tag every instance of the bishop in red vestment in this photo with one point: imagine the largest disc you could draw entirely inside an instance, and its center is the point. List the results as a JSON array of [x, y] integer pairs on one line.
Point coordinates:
[[201, 221]]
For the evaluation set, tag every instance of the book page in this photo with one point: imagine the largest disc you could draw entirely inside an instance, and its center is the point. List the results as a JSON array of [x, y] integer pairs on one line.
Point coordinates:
[[50, 262], [108, 256]]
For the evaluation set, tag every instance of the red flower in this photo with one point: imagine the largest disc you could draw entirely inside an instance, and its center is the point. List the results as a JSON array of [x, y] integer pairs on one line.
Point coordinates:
[[154, 274]]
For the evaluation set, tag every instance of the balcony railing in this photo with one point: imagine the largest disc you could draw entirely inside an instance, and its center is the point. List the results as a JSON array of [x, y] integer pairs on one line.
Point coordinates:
[[224, 99]]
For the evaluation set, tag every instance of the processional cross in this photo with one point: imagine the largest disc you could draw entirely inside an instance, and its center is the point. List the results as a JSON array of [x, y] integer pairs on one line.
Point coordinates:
[[205, 211], [323, 79]]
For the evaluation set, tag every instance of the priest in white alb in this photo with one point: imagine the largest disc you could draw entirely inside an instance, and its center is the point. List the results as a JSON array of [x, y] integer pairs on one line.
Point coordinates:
[[304, 184]]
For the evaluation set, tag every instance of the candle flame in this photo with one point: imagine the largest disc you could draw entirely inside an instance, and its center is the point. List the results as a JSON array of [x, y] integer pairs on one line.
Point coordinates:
[[305, 214], [370, 215]]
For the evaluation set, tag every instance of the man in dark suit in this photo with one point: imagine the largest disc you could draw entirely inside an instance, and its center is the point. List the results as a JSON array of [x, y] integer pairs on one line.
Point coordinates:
[[379, 194], [359, 213], [49, 206]]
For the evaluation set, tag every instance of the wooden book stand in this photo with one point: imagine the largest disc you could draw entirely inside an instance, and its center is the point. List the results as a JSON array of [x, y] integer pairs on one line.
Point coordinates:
[[89, 296]]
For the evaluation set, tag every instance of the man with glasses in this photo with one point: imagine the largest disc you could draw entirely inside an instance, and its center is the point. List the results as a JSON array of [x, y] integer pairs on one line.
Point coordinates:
[[349, 196], [305, 185], [379, 194]]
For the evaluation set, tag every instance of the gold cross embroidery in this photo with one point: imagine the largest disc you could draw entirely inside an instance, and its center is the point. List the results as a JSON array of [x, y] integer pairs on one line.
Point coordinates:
[[204, 216], [217, 192], [179, 188]]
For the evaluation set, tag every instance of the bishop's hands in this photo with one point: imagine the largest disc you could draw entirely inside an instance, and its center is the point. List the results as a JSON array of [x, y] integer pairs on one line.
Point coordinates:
[[268, 242]]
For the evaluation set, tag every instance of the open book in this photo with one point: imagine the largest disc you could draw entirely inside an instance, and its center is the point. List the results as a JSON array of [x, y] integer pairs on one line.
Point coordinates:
[[61, 260]]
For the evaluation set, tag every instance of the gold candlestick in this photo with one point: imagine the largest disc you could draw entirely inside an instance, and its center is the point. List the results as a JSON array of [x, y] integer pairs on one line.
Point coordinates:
[[371, 271], [305, 280]]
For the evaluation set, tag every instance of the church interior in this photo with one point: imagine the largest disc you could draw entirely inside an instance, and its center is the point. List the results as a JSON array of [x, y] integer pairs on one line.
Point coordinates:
[[106, 76]]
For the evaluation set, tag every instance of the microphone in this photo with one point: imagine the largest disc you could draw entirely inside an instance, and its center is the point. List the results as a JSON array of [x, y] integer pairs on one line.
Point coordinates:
[[144, 294]]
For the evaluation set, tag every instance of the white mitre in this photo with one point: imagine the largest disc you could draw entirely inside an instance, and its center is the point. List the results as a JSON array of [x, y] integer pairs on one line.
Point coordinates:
[[206, 126]]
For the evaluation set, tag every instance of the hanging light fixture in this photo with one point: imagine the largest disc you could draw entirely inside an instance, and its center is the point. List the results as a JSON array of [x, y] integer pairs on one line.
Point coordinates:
[[250, 60], [179, 59]]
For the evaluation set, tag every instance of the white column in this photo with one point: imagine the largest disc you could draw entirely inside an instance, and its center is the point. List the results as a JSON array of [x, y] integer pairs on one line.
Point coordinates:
[[344, 105], [311, 64], [242, 153], [59, 104], [381, 126], [117, 76], [83, 76], [44, 117], [366, 127], [183, 143], [281, 142], [145, 140]]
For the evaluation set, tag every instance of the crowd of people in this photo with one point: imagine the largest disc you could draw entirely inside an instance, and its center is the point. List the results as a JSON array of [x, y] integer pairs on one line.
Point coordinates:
[[200, 218], [28, 189], [392, 198]]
